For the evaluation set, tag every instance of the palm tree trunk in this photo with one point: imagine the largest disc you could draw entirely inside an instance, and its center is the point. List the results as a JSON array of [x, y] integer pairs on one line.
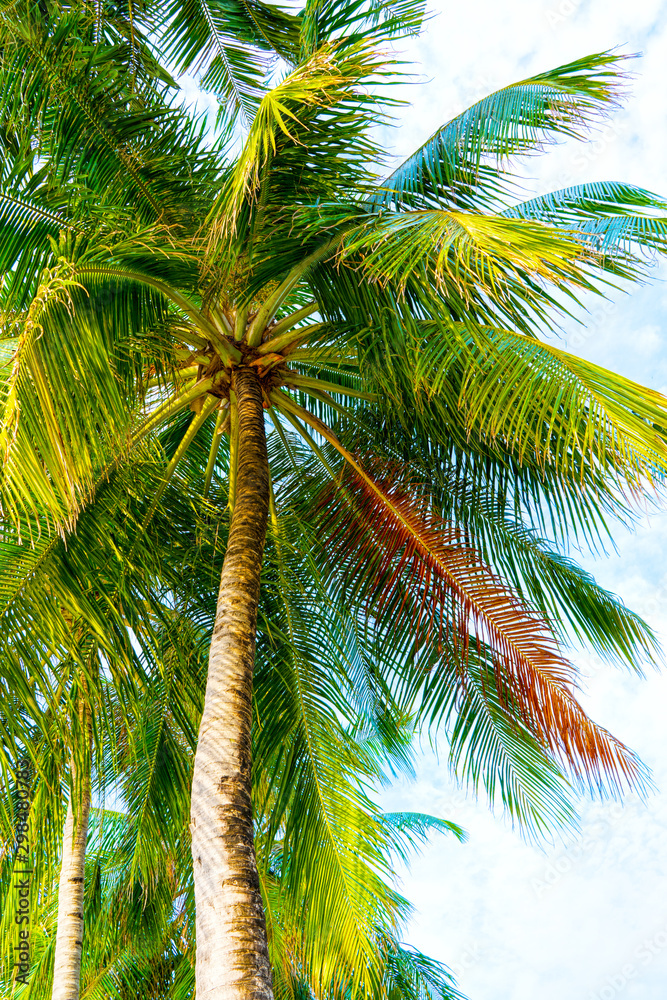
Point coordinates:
[[232, 951], [69, 936]]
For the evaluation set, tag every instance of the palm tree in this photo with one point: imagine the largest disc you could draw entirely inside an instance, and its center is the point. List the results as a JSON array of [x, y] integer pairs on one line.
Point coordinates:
[[138, 899], [69, 938], [83, 653], [391, 330]]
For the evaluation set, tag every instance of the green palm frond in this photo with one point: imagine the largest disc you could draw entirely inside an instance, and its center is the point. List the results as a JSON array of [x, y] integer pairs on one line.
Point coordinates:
[[331, 842], [24, 221], [112, 153], [374, 21], [323, 103], [483, 253], [528, 400], [40, 71], [230, 46], [409, 828], [460, 166], [65, 393], [611, 217], [412, 975], [491, 751], [621, 423]]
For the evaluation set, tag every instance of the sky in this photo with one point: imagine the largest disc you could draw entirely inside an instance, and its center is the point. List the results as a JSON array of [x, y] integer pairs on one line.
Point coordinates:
[[585, 919]]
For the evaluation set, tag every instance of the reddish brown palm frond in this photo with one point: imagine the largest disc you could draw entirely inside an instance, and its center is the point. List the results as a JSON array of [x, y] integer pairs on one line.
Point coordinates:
[[397, 555]]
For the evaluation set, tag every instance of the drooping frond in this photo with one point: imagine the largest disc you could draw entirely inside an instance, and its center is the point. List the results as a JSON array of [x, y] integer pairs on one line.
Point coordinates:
[[491, 750], [460, 165], [525, 401], [504, 758], [397, 555], [312, 806], [408, 828], [483, 253], [412, 975], [65, 395], [485, 496], [230, 46], [585, 414], [613, 218]]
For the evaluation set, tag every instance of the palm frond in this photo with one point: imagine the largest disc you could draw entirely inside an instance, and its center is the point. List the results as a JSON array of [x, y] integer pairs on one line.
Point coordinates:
[[230, 46], [484, 253], [420, 574], [323, 106], [330, 839], [460, 166], [612, 217], [373, 21], [492, 751]]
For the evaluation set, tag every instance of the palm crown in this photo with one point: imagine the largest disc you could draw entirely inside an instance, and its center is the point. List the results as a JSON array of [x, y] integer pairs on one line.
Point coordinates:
[[428, 452]]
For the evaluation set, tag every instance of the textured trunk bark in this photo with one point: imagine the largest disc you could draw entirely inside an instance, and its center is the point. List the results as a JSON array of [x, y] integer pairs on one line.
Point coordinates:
[[232, 951], [69, 936]]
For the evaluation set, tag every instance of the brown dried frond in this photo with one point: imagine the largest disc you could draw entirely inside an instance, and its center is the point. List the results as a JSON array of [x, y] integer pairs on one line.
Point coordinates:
[[422, 575]]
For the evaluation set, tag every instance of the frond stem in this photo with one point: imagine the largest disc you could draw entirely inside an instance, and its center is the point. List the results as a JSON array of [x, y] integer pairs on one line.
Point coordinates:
[[291, 339], [274, 301], [305, 382], [240, 323], [170, 407], [309, 441], [290, 321], [197, 422], [221, 425]]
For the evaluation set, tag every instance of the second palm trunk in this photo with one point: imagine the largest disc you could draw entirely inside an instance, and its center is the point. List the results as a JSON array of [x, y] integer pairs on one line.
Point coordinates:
[[232, 951], [69, 934]]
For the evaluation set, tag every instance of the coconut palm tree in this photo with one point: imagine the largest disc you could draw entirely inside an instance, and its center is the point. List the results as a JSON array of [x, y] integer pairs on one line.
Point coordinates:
[[138, 900], [83, 652], [300, 752], [429, 449]]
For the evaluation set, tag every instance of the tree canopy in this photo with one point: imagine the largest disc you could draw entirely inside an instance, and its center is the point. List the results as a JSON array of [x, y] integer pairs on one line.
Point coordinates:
[[218, 337]]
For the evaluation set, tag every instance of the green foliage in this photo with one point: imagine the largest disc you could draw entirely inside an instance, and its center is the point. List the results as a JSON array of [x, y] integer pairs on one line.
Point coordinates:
[[431, 456]]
